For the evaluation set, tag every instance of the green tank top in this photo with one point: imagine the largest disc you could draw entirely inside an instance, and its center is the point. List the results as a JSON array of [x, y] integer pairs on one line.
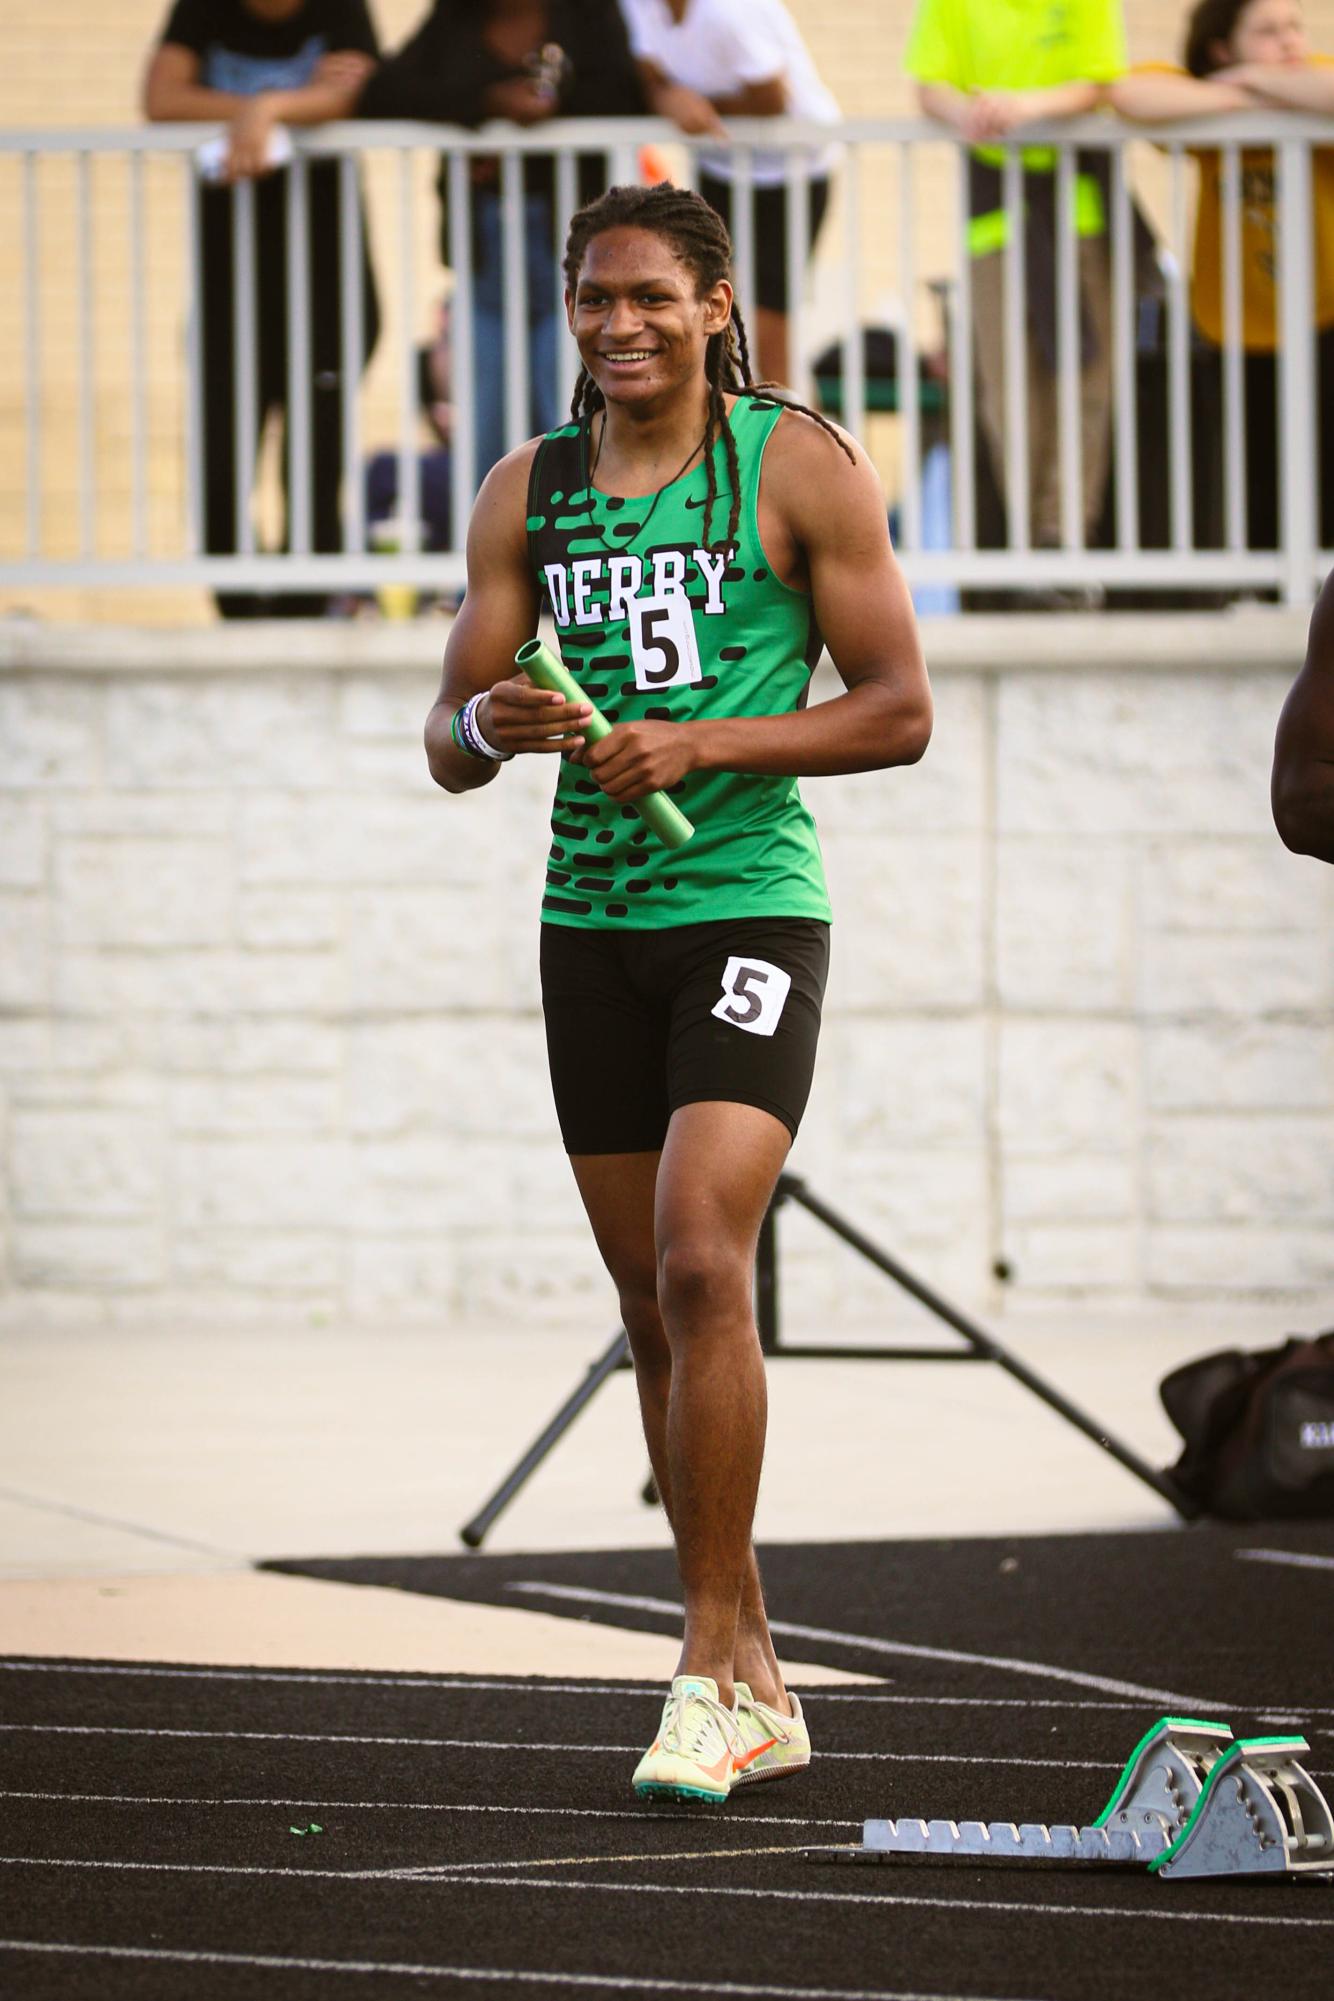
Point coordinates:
[[653, 623]]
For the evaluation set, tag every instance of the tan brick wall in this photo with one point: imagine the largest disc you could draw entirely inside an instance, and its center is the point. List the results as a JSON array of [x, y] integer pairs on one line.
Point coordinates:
[[79, 62]]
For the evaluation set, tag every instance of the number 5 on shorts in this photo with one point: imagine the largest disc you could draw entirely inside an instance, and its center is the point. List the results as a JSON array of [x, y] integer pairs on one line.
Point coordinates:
[[753, 995]]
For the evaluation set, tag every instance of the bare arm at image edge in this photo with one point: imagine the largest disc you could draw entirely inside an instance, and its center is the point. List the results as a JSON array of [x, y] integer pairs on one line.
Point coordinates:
[[1308, 88], [1161, 96], [1302, 791], [172, 90]]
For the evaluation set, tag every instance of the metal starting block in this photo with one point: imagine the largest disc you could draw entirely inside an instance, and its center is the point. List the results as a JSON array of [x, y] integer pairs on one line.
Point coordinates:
[[1192, 1801]]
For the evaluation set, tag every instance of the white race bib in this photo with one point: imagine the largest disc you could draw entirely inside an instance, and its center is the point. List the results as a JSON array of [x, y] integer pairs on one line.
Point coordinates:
[[662, 642], [753, 995]]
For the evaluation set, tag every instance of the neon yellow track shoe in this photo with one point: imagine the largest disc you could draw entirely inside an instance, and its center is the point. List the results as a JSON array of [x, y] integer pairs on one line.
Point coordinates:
[[693, 1754], [772, 1745]]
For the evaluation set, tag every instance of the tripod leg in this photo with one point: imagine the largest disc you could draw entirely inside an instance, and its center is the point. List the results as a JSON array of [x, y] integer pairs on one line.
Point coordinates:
[[617, 1356], [986, 1345]]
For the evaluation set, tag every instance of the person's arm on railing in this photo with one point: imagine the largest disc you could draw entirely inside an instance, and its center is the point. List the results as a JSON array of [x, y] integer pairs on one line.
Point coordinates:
[[693, 111], [172, 92], [1160, 97], [1284, 86], [687, 109], [991, 114], [1302, 790]]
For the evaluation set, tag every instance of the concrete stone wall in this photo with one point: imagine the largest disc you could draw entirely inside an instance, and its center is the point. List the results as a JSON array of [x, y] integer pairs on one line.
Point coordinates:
[[270, 1042]]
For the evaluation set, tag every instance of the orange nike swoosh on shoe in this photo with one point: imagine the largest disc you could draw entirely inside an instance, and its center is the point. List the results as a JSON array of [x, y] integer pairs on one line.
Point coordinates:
[[740, 1764]]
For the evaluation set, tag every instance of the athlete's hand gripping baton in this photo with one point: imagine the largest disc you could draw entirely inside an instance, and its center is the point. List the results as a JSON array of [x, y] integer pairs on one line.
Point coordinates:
[[659, 812]]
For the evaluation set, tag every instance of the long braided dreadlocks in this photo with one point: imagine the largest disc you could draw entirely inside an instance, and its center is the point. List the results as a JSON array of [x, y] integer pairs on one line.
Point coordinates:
[[698, 235]]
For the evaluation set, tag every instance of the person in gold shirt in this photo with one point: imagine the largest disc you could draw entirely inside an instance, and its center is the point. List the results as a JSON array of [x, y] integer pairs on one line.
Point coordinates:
[[1248, 55]]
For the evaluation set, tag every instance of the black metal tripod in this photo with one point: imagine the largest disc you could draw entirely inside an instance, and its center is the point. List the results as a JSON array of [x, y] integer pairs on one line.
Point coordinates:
[[981, 1347]]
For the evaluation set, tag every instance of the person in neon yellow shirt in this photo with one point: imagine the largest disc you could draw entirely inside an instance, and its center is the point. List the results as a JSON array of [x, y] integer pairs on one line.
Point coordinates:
[[1247, 55], [988, 68]]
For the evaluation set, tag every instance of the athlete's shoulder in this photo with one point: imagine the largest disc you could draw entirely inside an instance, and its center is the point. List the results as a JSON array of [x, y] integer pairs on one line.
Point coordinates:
[[816, 462], [820, 491], [808, 430], [499, 522]]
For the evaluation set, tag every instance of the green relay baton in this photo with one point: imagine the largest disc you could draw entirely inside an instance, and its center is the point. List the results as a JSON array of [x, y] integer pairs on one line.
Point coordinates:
[[540, 664]]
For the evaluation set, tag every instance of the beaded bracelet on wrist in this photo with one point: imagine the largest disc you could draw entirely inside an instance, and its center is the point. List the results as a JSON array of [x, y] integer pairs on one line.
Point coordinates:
[[466, 732]]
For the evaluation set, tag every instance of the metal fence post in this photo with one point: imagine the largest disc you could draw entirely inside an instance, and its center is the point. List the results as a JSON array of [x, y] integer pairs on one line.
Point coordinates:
[[1296, 369]]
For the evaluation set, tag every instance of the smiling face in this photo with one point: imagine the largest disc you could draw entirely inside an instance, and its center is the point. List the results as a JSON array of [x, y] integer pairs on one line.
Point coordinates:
[[1268, 31], [641, 324]]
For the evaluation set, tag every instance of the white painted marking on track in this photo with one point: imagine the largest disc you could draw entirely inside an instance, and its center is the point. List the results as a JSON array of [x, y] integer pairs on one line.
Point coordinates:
[[649, 1690], [408, 1969], [1298, 1559], [879, 1899], [1103, 1683], [305, 1737], [318, 1679], [493, 1744], [42, 1505], [288, 1804], [445, 1869]]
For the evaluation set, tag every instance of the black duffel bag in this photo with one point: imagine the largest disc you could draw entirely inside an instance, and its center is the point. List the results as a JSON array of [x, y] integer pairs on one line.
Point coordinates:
[[1259, 1429]]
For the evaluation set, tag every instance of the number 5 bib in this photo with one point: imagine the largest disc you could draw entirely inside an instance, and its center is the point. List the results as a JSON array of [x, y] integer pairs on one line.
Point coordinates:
[[753, 995], [663, 645]]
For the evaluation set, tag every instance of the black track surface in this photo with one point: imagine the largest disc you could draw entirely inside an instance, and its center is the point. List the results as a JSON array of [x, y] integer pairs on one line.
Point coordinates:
[[479, 1837], [1173, 1610]]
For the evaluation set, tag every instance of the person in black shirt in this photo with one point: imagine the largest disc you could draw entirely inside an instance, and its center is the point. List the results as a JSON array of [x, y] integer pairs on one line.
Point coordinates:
[[527, 60], [255, 65]]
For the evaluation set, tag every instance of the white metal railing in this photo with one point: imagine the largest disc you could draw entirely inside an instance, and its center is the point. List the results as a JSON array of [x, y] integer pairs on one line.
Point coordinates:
[[107, 413]]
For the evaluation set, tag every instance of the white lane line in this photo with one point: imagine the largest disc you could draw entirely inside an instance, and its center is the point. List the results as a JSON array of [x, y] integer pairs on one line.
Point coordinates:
[[407, 1969], [141, 1529], [290, 1805], [649, 1690], [304, 1737], [445, 1869], [1102, 1683], [878, 1899], [492, 1744], [529, 1686], [1294, 1557]]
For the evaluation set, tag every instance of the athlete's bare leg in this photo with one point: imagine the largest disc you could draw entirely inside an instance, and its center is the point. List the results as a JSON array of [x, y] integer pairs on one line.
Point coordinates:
[[677, 1232]]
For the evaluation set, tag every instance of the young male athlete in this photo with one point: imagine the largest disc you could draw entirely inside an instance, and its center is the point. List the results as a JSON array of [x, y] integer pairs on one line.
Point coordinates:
[[697, 542], [1302, 790]]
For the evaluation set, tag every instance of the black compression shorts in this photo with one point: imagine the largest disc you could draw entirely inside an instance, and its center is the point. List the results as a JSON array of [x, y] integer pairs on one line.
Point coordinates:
[[642, 1022]]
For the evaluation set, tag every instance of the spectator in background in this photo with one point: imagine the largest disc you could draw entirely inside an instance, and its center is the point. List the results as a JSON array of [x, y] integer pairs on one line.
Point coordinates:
[[987, 69], [1244, 55], [256, 66], [703, 60], [526, 60], [423, 518]]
